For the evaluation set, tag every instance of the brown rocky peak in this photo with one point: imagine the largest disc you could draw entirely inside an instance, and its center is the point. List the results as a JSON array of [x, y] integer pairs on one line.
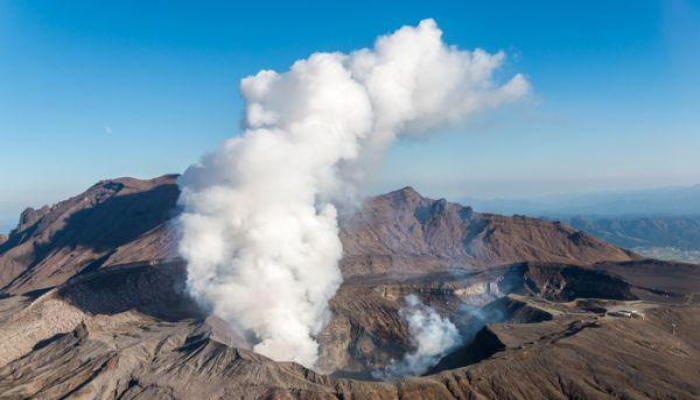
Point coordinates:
[[54, 243], [30, 216], [135, 184], [406, 194]]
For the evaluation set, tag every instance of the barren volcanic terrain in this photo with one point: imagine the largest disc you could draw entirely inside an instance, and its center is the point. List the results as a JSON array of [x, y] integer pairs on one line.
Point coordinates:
[[94, 305]]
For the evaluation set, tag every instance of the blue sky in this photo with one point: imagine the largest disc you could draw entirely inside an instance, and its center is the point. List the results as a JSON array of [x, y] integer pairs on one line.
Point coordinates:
[[97, 89]]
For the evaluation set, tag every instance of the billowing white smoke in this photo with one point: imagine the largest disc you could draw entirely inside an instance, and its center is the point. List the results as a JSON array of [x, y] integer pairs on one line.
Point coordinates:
[[259, 228], [432, 335]]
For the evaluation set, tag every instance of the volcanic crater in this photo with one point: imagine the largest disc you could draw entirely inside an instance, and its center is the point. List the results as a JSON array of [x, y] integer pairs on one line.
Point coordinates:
[[95, 305]]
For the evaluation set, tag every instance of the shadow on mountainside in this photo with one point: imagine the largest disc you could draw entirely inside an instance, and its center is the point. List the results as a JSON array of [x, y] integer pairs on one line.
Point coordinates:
[[157, 290], [100, 220], [120, 219]]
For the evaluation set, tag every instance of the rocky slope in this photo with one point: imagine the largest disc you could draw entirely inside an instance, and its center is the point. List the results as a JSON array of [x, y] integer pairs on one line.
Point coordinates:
[[94, 306], [131, 333], [113, 222]]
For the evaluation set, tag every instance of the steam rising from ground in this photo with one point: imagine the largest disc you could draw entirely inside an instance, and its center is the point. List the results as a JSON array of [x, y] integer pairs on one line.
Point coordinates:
[[259, 228], [433, 336]]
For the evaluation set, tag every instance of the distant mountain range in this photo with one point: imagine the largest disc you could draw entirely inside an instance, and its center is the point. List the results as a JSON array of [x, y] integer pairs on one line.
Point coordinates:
[[652, 219], [646, 232], [669, 201]]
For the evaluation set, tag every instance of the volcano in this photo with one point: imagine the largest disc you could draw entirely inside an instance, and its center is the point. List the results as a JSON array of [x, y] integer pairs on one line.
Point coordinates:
[[94, 304]]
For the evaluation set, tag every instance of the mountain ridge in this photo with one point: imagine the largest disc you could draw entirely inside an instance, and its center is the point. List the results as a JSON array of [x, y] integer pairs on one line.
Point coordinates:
[[128, 220]]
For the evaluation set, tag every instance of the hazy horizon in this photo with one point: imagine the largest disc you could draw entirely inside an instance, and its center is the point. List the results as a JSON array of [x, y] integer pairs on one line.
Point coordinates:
[[471, 192]]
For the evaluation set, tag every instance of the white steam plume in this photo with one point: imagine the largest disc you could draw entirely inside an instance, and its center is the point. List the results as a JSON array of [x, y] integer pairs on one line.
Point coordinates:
[[433, 336], [259, 228]]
